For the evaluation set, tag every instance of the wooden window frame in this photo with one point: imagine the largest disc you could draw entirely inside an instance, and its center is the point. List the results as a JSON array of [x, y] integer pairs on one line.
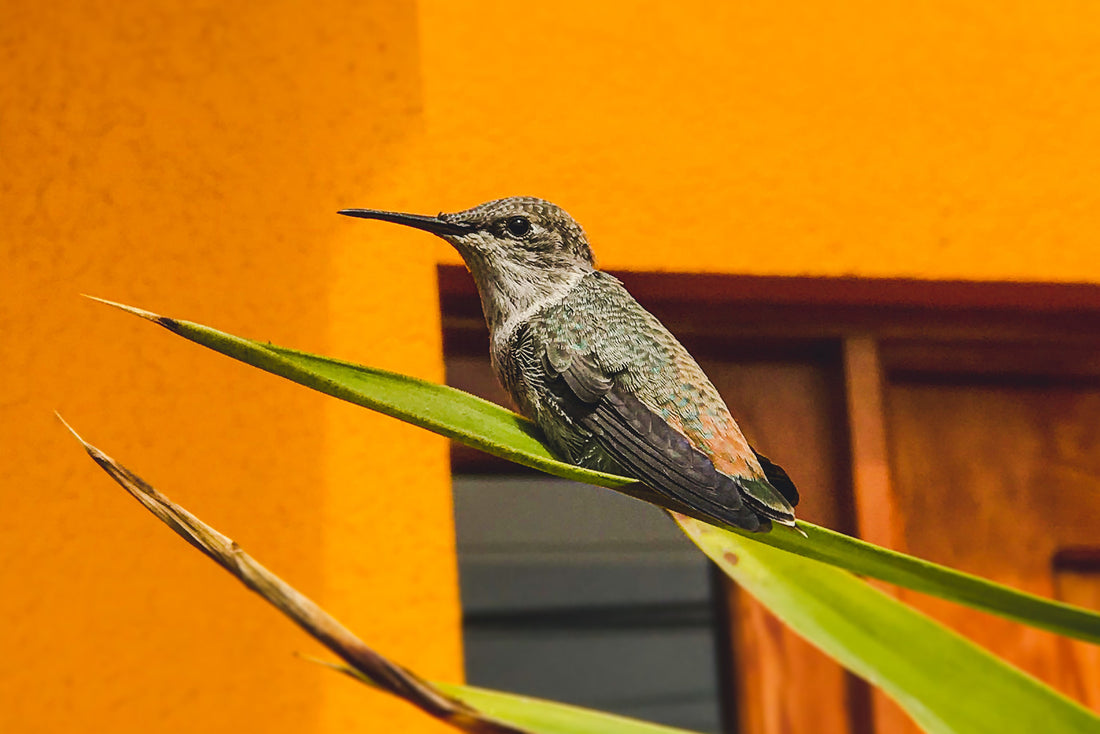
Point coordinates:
[[1017, 333]]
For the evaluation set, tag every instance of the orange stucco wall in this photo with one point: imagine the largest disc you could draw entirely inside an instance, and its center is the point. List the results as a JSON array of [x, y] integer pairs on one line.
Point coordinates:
[[188, 157], [928, 140]]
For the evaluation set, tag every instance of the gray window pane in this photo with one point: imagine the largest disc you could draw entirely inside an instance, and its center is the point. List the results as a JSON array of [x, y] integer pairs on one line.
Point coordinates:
[[582, 595]]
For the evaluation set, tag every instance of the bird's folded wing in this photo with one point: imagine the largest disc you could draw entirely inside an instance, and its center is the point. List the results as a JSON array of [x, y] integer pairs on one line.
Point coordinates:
[[642, 442]]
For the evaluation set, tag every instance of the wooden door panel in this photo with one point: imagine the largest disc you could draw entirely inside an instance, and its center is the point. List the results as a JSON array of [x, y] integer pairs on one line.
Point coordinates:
[[995, 472], [995, 479], [790, 411]]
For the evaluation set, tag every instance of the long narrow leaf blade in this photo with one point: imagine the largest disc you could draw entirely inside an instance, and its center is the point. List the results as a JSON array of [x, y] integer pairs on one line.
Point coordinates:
[[491, 428], [832, 608], [944, 681], [539, 715], [475, 711], [874, 561]]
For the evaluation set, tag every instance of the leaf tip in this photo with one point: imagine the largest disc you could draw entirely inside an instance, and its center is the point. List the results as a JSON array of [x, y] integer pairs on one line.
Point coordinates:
[[71, 430], [98, 456], [140, 312]]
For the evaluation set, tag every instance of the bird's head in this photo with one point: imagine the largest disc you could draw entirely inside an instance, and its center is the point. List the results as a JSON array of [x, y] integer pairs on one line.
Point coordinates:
[[520, 250]]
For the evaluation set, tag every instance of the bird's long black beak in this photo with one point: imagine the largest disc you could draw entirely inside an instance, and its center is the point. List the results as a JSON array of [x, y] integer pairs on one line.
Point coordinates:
[[435, 225]]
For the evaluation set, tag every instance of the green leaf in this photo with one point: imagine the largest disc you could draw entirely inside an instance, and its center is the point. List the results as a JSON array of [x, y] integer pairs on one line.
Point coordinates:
[[501, 432], [472, 710], [944, 681], [866, 559], [530, 714], [549, 717]]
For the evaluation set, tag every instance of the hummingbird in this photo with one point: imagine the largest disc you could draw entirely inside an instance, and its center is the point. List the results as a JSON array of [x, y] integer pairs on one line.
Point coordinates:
[[608, 385]]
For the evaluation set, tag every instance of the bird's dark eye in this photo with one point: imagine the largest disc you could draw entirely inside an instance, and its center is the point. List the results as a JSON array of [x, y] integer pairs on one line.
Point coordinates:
[[518, 226]]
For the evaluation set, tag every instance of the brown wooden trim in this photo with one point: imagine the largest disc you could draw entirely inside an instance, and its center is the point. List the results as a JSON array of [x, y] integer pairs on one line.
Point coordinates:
[[1078, 559], [876, 514], [1034, 362], [1020, 329], [800, 290]]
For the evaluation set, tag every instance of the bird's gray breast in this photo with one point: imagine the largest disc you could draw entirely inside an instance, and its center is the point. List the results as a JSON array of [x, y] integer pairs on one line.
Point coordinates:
[[596, 318], [612, 389]]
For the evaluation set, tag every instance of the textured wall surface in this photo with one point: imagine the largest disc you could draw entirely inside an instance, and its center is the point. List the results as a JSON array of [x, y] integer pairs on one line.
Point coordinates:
[[187, 158], [927, 140]]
